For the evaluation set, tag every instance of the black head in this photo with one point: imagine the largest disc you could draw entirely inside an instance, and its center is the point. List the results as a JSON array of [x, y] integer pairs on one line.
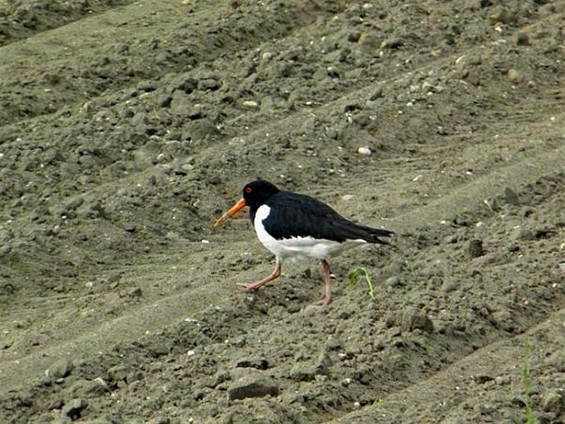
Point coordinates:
[[257, 192]]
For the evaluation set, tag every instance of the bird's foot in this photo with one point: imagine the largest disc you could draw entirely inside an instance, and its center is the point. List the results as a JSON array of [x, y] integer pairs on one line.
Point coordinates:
[[324, 301], [250, 287]]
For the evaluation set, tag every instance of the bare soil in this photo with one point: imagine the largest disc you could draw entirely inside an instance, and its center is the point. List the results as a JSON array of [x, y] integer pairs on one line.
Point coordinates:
[[127, 127]]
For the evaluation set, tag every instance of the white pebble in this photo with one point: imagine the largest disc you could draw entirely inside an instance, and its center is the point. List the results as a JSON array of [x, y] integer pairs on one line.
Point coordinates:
[[250, 104], [364, 151]]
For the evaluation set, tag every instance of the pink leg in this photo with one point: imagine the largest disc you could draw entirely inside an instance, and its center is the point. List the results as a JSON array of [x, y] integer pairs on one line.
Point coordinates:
[[272, 276], [326, 300]]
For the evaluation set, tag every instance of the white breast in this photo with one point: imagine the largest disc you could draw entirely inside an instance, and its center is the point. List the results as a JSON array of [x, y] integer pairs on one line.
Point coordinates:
[[298, 248]]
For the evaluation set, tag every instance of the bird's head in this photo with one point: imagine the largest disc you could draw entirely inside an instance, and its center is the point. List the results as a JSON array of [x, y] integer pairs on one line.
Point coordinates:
[[255, 194]]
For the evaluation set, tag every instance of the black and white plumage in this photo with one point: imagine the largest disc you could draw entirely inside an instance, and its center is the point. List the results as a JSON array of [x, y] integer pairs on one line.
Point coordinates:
[[297, 227]]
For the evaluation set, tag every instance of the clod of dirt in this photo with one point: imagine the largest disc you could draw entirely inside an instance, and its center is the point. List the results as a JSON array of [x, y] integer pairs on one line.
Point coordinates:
[[307, 371], [253, 362], [523, 234], [73, 409], [60, 369], [553, 401], [475, 248], [415, 320], [394, 281], [511, 197], [92, 388], [252, 386]]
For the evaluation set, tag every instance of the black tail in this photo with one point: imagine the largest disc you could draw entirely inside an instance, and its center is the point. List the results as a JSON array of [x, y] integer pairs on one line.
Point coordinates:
[[375, 233], [352, 231]]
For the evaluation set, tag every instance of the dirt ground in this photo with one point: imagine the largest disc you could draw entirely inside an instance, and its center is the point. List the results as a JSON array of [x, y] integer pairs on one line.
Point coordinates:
[[127, 127]]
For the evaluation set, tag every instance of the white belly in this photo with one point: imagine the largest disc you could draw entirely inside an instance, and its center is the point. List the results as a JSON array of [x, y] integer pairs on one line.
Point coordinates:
[[298, 248]]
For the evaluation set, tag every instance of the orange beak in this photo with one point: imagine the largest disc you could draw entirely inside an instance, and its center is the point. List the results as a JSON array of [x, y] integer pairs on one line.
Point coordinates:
[[240, 204]]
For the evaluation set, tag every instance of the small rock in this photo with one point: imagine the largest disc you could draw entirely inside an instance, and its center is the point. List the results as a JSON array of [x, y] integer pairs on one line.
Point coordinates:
[[252, 386], [160, 420], [451, 239], [415, 320], [489, 259], [267, 56], [147, 86], [392, 43], [220, 377], [475, 248], [364, 151], [118, 373], [134, 292], [179, 103], [69, 209], [209, 84], [353, 106], [55, 404], [501, 15], [312, 309], [450, 284], [522, 39], [482, 379], [134, 376], [502, 380], [187, 85], [332, 72], [166, 101], [73, 409], [553, 401], [354, 36], [196, 113], [376, 94], [514, 76], [251, 104], [311, 370], [511, 197], [368, 40], [92, 388], [60, 369], [522, 233], [253, 362], [94, 210], [234, 4], [201, 129], [513, 247], [323, 363], [303, 372], [393, 281]]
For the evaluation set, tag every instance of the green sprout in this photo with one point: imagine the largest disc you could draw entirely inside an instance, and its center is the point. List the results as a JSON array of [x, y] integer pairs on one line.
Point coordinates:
[[362, 272], [526, 383]]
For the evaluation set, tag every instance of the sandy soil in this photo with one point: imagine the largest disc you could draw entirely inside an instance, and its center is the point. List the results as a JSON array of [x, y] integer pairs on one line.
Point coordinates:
[[126, 128]]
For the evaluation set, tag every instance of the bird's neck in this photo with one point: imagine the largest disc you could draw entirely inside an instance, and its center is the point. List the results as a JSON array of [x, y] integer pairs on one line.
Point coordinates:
[[252, 213]]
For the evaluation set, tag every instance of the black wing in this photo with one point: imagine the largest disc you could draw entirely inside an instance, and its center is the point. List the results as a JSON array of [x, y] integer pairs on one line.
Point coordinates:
[[298, 215]]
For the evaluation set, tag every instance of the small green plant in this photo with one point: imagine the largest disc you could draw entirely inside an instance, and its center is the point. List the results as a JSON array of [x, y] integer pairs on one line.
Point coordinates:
[[526, 385], [362, 272]]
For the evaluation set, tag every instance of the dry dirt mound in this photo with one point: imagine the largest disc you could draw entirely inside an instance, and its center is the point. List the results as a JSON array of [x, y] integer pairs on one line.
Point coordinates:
[[127, 127]]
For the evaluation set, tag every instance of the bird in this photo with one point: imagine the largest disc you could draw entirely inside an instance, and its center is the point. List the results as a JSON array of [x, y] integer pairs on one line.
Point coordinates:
[[298, 227]]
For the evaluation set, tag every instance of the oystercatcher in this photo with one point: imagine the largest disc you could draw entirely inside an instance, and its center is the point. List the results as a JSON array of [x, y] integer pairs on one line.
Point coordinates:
[[295, 226]]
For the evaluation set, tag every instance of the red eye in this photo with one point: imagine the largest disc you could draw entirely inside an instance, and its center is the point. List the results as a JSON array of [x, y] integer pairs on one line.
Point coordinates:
[[248, 190]]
